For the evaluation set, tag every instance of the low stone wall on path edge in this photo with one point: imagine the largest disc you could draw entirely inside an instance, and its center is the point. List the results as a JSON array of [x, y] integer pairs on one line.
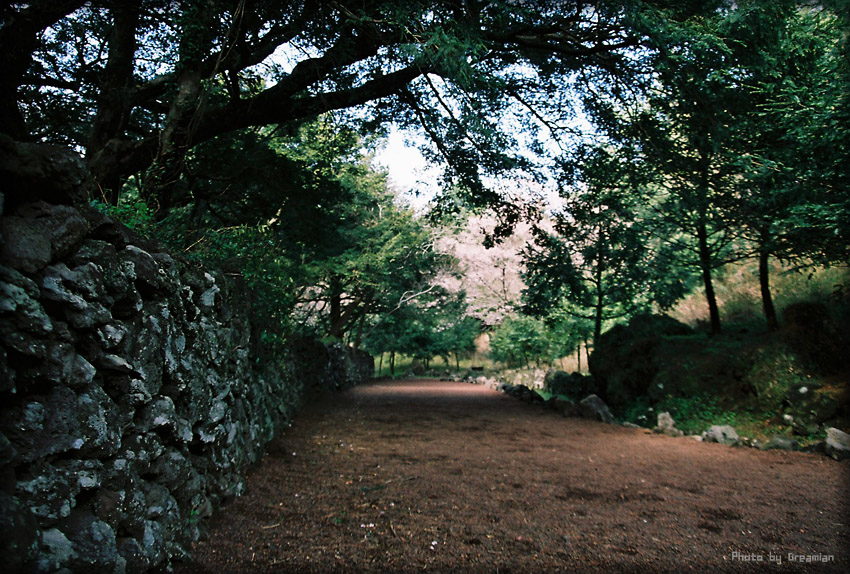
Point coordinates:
[[133, 390]]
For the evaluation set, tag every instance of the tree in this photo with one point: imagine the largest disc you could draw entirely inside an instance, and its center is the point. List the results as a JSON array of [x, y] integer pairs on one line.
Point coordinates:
[[570, 332], [434, 324], [727, 119], [791, 143], [139, 85], [309, 223], [490, 276], [598, 264], [688, 132], [520, 340], [456, 336]]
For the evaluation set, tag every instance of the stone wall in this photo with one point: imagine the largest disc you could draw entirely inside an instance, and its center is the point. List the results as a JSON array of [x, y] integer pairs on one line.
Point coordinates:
[[133, 392]]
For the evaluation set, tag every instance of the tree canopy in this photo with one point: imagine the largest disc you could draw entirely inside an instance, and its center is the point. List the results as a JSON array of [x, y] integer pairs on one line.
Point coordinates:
[[137, 85], [722, 128], [720, 132], [309, 224], [600, 262]]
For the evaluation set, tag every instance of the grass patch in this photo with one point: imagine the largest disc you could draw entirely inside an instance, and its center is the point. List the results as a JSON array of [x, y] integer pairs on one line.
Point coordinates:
[[549, 395], [739, 297], [404, 365], [694, 415]]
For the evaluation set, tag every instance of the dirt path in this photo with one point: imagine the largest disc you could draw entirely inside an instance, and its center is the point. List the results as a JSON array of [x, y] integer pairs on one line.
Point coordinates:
[[451, 477]]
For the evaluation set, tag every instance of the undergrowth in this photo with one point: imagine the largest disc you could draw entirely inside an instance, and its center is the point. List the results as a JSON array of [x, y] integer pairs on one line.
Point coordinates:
[[692, 414], [739, 296], [243, 252], [696, 414]]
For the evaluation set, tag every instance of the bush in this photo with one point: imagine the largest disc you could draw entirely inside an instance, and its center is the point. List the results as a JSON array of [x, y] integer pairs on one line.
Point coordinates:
[[574, 386], [132, 212], [693, 414], [519, 341], [628, 357], [774, 371]]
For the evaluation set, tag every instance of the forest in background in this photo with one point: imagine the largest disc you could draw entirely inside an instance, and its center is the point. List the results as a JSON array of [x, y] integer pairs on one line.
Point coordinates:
[[240, 134]]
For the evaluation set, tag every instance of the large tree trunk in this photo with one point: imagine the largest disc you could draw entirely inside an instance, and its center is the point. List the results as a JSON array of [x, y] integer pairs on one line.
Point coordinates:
[[335, 319], [342, 317], [358, 335], [764, 284], [706, 268], [11, 119], [704, 251], [600, 300], [186, 111], [597, 323], [115, 102]]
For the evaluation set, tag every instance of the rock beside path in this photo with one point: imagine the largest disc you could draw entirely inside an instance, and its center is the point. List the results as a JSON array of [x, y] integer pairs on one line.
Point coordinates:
[[837, 444], [666, 425], [723, 434], [778, 442], [592, 407]]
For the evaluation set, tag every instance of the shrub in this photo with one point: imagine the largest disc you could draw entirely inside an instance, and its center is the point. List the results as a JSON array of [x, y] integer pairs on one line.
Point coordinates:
[[132, 212], [695, 414], [774, 371], [519, 341]]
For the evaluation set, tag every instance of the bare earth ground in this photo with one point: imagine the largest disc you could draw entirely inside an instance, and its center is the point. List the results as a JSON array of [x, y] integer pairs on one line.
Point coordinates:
[[451, 477]]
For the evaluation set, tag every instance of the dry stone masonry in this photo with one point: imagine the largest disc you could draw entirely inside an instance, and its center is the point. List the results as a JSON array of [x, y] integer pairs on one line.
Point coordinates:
[[133, 390]]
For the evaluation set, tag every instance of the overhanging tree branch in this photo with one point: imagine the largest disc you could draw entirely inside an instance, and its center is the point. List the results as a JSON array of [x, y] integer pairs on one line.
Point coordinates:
[[18, 41], [267, 109]]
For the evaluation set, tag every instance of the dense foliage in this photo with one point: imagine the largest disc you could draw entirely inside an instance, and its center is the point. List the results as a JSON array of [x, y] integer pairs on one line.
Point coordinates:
[[598, 263], [731, 147], [139, 85], [312, 228], [237, 131]]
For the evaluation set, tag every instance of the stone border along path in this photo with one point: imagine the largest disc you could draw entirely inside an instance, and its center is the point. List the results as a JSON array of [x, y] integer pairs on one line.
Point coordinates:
[[836, 445], [450, 477]]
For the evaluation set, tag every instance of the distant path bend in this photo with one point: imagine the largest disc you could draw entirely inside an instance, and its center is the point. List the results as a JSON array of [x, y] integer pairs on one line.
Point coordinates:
[[450, 477]]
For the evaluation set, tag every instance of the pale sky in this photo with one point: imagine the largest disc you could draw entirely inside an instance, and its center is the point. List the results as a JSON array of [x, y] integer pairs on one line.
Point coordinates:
[[415, 179]]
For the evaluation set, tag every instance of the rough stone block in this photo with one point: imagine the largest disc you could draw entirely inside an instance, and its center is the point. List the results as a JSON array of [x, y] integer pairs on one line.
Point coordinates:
[[837, 444], [39, 233], [592, 407], [723, 434], [19, 534], [136, 377]]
